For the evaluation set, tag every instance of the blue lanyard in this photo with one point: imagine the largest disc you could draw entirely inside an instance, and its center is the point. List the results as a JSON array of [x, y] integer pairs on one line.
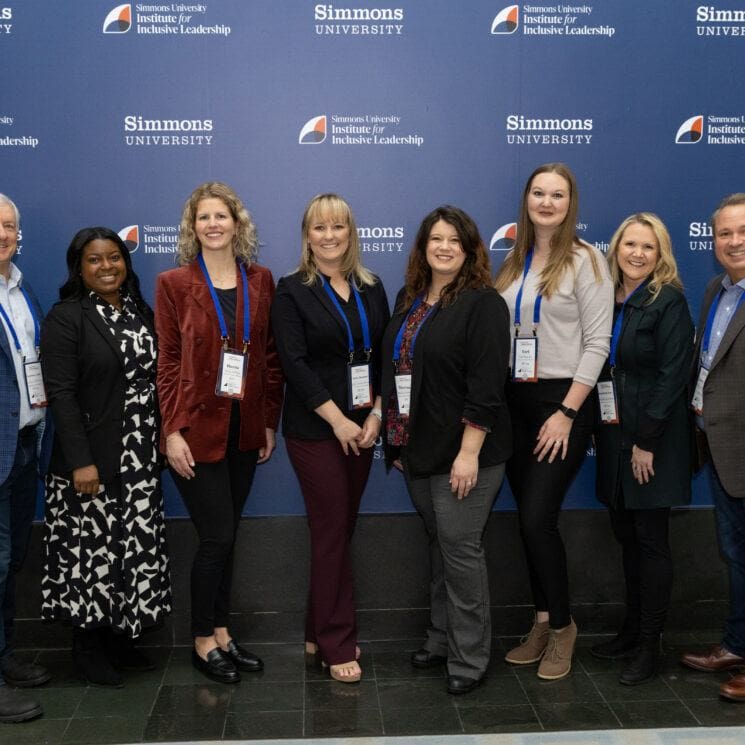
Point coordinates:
[[710, 319], [618, 325], [37, 330], [363, 318], [519, 299], [218, 308], [400, 336]]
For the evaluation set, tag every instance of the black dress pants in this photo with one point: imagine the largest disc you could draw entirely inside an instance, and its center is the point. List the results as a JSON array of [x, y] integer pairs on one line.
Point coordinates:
[[539, 489], [215, 497]]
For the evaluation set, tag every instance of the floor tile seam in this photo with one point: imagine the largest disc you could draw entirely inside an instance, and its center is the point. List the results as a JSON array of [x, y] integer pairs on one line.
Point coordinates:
[[692, 713], [606, 702], [530, 700]]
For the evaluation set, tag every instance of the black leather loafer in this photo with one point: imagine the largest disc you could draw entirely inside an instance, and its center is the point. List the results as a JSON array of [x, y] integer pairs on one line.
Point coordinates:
[[243, 660], [423, 658], [217, 666], [458, 684]]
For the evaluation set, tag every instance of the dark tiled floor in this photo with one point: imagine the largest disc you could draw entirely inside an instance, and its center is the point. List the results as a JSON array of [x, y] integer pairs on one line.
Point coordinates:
[[176, 703]]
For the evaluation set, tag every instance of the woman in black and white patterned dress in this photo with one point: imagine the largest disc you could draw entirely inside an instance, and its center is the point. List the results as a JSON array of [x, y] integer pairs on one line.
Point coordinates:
[[105, 562]]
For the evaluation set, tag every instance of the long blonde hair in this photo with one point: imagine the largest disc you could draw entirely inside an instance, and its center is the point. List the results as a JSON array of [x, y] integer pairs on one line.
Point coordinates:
[[564, 242], [333, 207], [665, 271], [245, 241]]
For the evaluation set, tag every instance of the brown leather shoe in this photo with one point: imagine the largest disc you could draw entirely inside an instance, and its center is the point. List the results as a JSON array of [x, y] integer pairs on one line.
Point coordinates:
[[716, 660], [733, 689]]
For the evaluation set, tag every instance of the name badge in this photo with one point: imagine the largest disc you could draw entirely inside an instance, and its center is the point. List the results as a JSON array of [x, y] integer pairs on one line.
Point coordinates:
[[697, 402], [608, 402], [525, 359], [403, 392], [37, 396], [231, 374], [359, 385]]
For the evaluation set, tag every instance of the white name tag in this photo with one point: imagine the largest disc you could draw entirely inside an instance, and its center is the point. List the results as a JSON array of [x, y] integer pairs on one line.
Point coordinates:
[[608, 403], [359, 384], [525, 359], [37, 396], [403, 392], [231, 375], [697, 402]]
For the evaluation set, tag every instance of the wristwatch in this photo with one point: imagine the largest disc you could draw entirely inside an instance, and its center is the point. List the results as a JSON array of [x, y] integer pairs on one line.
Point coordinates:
[[567, 412]]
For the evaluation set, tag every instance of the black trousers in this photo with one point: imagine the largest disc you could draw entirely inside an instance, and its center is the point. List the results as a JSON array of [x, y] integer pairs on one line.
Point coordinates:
[[540, 487], [215, 497], [647, 568]]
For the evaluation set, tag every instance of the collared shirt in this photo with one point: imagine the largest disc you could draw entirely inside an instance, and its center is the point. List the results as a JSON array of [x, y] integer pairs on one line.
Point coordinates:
[[725, 312], [17, 309]]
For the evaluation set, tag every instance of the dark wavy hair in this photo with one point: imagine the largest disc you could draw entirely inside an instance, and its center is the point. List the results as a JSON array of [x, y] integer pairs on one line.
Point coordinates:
[[74, 289], [475, 272]]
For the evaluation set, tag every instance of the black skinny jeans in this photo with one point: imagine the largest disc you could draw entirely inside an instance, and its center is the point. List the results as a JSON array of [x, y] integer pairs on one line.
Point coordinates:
[[647, 568], [540, 488], [214, 498]]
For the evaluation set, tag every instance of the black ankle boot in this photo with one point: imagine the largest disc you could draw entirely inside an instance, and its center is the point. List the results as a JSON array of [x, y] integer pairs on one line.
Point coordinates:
[[90, 660], [643, 665], [623, 644], [122, 652]]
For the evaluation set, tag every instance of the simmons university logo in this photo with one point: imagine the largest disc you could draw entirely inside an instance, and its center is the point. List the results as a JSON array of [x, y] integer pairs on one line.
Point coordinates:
[[507, 20], [6, 16], [381, 238], [525, 130], [690, 131], [139, 132], [700, 236], [713, 21], [504, 237], [561, 19], [162, 19], [712, 129], [119, 20], [313, 131], [130, 237], [334, 20], [155, 239], [365, 129]]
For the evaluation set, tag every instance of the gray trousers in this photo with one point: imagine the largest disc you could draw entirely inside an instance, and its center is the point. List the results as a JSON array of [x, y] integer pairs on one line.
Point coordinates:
[[460, 621]]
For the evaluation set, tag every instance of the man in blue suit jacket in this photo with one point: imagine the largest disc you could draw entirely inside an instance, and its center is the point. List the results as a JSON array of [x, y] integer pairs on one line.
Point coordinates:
[[21, 426]]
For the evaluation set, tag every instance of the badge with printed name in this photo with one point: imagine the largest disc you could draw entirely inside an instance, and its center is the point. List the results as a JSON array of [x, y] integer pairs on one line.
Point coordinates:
[[37, 396], [697, 402], [359, 385], [608, 402], [525, 359], [231, 373], [403, 392]]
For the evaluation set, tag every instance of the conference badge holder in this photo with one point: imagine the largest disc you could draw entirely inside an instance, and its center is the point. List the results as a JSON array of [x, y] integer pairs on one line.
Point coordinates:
[[231, 373], [608, 401], [697, 402], [37, 396], [359, 385], [525, 359], [403, 392]]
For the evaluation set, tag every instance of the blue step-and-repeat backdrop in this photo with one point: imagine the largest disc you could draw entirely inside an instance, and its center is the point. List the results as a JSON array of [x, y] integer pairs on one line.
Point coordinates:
[[111, 113]]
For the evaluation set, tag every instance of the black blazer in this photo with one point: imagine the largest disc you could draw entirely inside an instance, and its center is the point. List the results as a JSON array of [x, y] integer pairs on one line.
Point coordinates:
[[459, 372], [84, 378], [312, 342]]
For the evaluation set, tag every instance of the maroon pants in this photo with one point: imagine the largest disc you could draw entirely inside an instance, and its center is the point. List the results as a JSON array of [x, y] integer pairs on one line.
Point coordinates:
[[332, 484]]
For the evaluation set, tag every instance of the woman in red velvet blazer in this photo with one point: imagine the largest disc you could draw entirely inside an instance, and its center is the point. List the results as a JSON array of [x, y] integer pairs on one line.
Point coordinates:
[[216, 426]]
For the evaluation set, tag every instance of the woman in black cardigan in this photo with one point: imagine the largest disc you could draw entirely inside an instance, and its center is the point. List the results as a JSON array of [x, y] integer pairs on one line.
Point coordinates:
[[445, 356], [105, 561], [328, 318], [643, 436]]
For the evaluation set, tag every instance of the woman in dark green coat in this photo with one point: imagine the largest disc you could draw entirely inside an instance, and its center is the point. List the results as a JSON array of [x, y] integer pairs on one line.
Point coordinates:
[[643, 434]]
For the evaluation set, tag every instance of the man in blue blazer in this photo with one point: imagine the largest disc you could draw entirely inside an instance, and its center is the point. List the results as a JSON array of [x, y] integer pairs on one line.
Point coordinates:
[[21, 426]]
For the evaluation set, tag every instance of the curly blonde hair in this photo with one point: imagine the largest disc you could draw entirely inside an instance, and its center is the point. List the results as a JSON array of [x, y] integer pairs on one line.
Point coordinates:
[[332, 207], [665, 271], [245, 240]]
